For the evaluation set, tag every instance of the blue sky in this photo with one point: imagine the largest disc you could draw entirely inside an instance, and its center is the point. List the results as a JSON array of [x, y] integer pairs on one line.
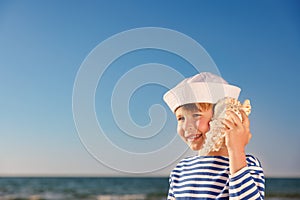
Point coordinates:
[[255, 44]]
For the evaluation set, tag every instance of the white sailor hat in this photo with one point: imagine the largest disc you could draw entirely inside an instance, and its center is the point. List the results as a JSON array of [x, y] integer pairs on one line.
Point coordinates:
[[204, 87]]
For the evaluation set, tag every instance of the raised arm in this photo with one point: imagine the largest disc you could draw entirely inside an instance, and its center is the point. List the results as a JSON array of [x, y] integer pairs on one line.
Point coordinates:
[[246, 175]]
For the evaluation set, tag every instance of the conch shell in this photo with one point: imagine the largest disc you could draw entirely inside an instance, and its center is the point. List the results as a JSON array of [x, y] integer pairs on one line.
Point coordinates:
[[215, 136]]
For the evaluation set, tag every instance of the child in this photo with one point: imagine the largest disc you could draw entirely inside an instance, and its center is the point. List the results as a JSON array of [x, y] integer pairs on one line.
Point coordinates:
[[225, 174]]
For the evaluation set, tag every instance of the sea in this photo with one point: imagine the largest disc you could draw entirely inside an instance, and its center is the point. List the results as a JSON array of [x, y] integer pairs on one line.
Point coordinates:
[[112, 188]]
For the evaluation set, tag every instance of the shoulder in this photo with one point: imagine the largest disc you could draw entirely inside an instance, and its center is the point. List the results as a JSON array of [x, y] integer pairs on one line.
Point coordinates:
[[187, 161], [253, 161]]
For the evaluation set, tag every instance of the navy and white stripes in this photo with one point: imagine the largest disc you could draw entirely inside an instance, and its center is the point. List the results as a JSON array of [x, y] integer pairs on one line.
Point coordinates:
[[207, 177]]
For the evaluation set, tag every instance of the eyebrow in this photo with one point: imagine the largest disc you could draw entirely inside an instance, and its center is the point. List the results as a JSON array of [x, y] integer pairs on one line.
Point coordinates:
[[179, 115]]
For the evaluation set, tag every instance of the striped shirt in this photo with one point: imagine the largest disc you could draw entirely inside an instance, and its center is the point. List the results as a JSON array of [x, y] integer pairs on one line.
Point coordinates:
[[208, 177]]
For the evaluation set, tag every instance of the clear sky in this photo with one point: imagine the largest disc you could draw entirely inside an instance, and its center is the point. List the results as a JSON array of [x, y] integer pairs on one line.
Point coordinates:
[[254, 44]]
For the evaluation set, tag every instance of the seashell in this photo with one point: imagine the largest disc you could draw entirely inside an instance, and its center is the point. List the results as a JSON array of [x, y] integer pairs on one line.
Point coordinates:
[[215, 136]]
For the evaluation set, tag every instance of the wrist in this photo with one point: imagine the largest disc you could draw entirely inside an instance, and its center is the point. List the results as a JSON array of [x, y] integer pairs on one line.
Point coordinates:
[[237, 160], [236, 150], [237, 154]]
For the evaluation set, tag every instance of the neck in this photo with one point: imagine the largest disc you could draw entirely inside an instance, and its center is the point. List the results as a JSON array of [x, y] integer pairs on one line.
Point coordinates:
[[222, 152]]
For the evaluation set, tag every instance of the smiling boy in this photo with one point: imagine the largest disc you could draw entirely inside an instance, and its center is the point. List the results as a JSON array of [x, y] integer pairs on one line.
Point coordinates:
[[225, 174]]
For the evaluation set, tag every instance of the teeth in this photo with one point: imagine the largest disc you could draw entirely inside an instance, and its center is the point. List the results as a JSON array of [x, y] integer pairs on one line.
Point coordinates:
[[193, 137]]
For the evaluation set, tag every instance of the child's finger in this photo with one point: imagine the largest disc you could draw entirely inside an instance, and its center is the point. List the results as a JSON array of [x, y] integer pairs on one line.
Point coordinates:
[[234, 117], [228, 123], [245, 118]]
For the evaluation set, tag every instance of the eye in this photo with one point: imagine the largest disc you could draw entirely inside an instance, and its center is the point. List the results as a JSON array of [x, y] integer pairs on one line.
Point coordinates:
[[180, 118], [197, 115]]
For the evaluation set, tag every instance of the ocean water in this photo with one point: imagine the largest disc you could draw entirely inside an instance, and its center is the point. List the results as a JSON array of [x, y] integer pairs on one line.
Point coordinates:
[[283, 188], [56, 188]]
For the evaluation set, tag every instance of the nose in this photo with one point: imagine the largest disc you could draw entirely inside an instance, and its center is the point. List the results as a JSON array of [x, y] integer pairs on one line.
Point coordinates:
[[189, 125]]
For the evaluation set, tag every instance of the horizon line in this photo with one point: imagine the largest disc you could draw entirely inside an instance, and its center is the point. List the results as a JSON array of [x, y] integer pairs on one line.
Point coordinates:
[[110, 176]]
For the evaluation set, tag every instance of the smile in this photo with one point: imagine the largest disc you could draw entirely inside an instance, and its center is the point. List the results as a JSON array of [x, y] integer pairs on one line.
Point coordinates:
[[192, 138]]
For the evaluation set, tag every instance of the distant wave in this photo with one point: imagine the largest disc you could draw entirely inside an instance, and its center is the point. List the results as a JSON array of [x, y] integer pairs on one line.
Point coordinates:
[[53, 188]]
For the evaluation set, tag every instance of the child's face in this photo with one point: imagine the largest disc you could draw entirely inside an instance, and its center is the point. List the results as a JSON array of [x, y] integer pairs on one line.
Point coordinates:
[[192, 126]]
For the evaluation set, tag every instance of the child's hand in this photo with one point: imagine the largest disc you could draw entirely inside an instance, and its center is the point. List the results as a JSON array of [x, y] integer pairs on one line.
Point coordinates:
[[237, 132]]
